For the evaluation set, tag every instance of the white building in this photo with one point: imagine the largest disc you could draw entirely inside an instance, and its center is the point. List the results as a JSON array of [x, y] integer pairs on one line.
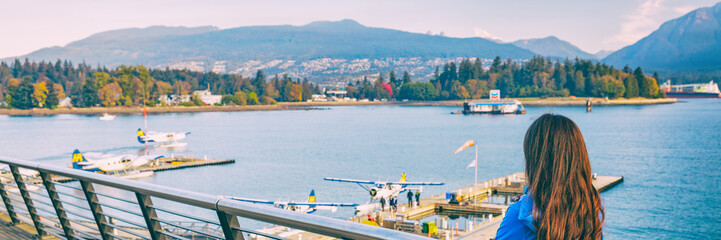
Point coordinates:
[[174, 99], [207, 97], [65, 102]]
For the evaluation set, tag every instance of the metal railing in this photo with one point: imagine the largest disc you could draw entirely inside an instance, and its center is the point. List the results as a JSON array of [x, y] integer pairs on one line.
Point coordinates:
[[31, 195]]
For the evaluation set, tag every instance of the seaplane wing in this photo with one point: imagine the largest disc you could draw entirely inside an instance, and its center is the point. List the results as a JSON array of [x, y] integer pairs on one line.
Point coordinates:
[[417, 183], [251, 200], [307, 207], [382, 183], [354, 181], [322, 204]]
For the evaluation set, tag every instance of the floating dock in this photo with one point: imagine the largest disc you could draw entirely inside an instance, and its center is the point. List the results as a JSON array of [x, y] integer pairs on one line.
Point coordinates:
[[165, 164]]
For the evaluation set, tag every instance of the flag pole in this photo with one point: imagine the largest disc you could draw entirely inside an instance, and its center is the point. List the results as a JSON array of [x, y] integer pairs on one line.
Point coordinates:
[[145, 130], [476, 178]]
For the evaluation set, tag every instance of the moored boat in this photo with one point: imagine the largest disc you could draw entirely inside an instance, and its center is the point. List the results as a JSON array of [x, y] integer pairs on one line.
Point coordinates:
[[107, 117], [500, 106], [702, 90]]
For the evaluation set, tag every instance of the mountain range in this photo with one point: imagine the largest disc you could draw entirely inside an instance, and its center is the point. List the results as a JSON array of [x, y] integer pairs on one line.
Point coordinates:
[[553, 47], [339, 50], [690, 43], [319, 49]]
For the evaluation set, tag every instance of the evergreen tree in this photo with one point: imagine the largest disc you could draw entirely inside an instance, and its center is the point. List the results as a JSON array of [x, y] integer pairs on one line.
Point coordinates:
[[392, 79], [631, 86], [259, 82], [22, 96], [580, 84], [90, 93], [52, 98], [406, 78]]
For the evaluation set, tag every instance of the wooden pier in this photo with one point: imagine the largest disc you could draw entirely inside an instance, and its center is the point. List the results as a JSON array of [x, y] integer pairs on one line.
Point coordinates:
[[487, 229], [469, 198]]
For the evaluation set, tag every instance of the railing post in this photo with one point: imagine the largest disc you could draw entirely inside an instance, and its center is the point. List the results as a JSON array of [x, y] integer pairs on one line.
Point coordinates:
[[96, 209], [230, 226], [8, 205], [28, 201], [151, 217], [58, 205]]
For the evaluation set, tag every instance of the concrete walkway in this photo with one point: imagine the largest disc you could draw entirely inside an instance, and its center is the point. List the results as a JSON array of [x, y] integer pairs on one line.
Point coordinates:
[[19, 231]]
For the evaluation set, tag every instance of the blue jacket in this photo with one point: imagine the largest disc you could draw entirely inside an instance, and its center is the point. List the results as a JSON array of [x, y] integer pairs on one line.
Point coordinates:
[[518, 222]]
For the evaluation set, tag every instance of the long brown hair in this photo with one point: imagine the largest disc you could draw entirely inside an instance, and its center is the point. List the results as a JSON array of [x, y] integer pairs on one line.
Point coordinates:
[[566, 205]]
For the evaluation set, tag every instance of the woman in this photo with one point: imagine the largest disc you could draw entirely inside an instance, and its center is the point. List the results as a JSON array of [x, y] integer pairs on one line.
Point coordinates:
[[560, 201]]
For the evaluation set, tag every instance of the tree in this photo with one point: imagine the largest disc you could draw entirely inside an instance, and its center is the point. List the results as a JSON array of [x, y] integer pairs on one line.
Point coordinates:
[[90, 93], [22, 96], [393, 80], [40, 93], [643, 88], [580, 84], [253, 99], [259, 82], [52, 100], [631, 86], [111, 94], [406, 79]]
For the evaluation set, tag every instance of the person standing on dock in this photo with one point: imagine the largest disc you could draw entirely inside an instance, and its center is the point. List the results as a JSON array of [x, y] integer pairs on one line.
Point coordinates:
[[383, 204], [393, 203], [410, 198], [390, 203], [418, 198], [560, 201]]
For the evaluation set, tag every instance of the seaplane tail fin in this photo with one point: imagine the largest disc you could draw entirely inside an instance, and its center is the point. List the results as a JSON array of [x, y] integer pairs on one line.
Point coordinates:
[[141, 134], [403, 177], [78, 158], [311, 197]]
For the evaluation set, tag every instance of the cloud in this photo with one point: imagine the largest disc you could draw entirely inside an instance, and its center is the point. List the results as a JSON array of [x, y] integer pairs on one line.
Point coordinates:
[[479, 32], [645, 19], [684, 9], [639, 23]]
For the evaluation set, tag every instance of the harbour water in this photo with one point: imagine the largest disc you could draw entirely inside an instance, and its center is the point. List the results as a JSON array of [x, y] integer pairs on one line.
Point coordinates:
[[669, 155]]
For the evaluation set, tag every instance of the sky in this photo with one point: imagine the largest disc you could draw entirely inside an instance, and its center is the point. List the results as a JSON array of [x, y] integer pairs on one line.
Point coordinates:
[[591, 25]]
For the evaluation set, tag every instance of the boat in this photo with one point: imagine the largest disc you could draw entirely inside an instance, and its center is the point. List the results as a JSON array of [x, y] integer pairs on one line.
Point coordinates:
[[107, 117], [494, 106], [700, 90]]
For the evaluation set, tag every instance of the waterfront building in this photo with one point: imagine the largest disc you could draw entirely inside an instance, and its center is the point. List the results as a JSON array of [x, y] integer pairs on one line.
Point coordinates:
[[207, 97]]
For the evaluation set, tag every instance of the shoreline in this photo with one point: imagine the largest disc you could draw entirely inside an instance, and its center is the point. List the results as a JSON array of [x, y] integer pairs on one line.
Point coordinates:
[[285, 106]]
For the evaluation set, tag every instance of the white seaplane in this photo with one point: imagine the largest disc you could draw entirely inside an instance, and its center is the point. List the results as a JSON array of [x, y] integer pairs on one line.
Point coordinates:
[[383, 189], [309, 206], [165, 139], [112, 164]]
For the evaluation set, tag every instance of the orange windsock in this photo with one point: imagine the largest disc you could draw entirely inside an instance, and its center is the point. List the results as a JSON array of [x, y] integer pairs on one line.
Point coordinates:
[[469, 143]]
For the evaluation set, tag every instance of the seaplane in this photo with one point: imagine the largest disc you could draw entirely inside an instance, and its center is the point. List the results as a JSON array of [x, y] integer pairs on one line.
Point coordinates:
[[309, 206], [165, 139], [383, 189], [110, 164]]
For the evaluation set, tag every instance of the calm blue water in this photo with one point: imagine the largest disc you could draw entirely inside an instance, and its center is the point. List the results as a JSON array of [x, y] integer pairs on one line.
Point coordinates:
[[669, 154]]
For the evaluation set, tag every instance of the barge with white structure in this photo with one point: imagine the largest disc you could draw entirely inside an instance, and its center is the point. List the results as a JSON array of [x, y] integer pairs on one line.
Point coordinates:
[[501, 106], [494, 105]]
